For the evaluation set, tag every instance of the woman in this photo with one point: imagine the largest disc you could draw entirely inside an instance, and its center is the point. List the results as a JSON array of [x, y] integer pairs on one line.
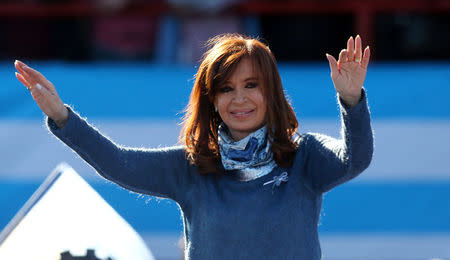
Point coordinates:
[[249, 187]]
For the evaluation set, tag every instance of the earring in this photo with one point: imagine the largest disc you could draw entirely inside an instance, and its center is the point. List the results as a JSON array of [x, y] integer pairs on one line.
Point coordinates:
[[215, 109]]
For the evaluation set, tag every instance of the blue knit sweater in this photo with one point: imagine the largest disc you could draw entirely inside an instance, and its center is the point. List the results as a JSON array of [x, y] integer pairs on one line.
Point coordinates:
[[227, 218]]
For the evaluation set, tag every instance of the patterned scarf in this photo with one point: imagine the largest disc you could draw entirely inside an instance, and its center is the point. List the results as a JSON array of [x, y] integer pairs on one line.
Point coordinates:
[[251, 157]]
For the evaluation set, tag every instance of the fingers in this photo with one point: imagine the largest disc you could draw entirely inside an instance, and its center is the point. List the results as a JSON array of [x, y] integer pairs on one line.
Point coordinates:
[[30, 87], [25, 73], [350, 49], [358, 48], [27, 80], [343, 56], [33, 76], [333, 65], [23, 80], [36, 90], [354, 52], [366, 57]]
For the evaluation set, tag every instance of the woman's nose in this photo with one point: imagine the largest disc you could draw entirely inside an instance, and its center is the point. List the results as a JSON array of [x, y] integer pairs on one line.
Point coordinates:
[[239, 96]]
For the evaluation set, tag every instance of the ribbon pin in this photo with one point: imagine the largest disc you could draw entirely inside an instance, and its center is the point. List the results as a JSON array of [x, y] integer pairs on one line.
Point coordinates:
[[277, 180]]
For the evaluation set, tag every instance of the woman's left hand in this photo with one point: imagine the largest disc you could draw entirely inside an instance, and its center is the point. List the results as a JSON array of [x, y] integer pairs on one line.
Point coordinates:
[[349, 72]]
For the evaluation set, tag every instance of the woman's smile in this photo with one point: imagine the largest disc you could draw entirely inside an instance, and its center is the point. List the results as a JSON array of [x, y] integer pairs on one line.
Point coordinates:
[[242, 114]]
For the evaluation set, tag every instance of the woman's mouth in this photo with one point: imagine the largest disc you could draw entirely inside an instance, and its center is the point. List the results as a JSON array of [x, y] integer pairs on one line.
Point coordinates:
[[242, 113]]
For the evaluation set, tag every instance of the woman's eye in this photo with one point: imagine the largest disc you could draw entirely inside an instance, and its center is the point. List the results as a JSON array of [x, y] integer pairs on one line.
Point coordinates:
[[252, 85], [225, 89]]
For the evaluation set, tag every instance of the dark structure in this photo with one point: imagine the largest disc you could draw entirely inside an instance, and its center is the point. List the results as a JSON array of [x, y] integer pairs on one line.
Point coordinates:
[[90, 255]]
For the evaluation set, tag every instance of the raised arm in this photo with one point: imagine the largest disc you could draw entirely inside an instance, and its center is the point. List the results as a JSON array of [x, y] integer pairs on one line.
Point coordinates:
[[160, 172], [331, 161]]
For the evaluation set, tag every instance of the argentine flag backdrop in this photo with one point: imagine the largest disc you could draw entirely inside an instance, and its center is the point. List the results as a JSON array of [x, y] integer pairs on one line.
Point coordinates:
[[399, 208]]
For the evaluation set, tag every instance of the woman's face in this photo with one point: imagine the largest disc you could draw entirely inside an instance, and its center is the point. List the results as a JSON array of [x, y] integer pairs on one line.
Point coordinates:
[[240, 101]]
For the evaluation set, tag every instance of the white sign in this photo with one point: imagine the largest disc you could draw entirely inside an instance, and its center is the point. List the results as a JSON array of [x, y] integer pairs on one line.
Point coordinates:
[[67, 214]]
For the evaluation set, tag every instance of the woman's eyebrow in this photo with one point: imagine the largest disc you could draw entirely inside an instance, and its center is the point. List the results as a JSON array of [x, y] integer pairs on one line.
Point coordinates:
[[247, 79], [251, 78]]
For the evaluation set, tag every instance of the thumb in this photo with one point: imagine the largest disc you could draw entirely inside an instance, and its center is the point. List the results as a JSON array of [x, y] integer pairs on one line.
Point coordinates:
[[333, 64]]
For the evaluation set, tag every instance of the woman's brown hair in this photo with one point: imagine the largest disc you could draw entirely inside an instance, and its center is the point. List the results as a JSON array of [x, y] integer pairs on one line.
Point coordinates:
[[201, 121]]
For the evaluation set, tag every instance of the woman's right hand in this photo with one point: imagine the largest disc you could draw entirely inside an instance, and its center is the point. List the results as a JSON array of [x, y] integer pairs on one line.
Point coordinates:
[[43, 92]]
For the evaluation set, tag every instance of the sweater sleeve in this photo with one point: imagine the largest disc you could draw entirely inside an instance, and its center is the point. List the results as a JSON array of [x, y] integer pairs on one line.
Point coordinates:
[[162, 172], [331, 161]]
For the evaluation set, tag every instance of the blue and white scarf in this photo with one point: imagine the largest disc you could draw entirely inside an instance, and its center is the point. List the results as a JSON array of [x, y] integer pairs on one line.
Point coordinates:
[[251, 157]]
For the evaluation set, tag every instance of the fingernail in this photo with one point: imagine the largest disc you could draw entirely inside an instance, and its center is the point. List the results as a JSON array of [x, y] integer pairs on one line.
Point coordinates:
[[20, 63], [38, 86], [326, 54]]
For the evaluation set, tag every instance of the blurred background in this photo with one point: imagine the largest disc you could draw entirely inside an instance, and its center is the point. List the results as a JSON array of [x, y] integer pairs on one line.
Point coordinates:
[[128, 66]]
